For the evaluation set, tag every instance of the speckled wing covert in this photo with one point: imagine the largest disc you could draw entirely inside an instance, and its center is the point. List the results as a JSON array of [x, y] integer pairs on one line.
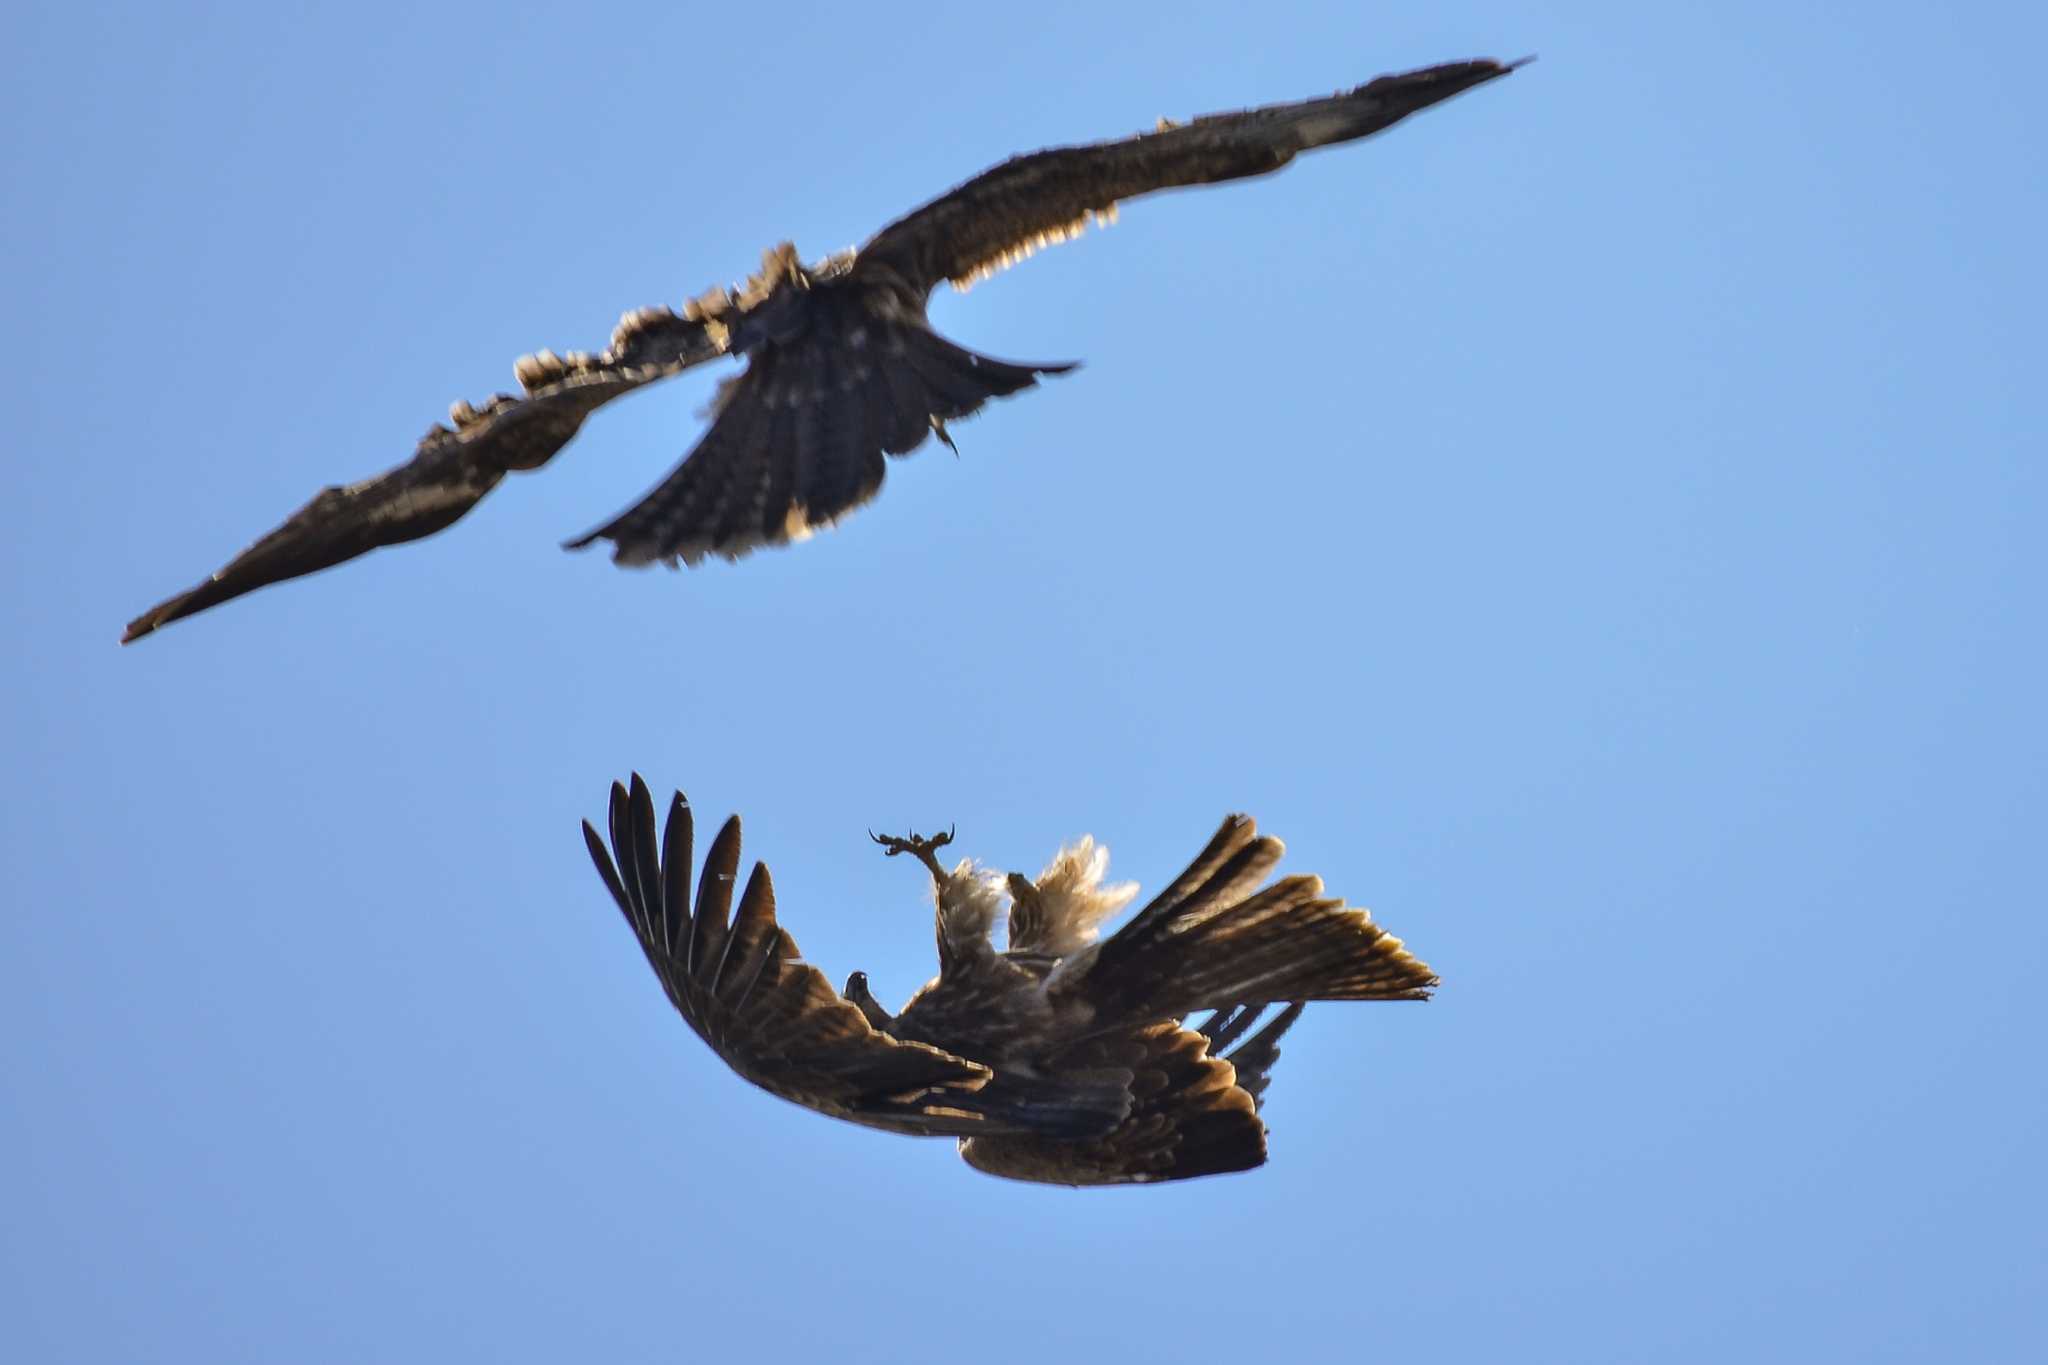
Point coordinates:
[[1195, 1107]]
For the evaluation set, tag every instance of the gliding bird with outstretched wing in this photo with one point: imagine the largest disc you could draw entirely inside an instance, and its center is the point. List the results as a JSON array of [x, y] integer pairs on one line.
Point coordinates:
[[842, 367], [1064, 1059]]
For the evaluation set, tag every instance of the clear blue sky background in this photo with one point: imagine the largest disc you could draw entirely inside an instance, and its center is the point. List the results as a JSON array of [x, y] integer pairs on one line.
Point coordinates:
[[1597, 525]]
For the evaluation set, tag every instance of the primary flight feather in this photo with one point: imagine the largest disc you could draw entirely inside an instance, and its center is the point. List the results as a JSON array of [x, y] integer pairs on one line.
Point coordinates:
[[842, 367]]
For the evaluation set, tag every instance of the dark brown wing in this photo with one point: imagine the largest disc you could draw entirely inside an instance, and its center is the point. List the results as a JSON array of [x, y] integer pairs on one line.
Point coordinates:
[[798, 440], [737, 978], [1027, 202], [454, 467], [739, 981]]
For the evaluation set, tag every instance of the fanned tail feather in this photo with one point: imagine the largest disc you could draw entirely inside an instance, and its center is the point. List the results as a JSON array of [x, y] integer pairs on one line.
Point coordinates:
[[957, 381]]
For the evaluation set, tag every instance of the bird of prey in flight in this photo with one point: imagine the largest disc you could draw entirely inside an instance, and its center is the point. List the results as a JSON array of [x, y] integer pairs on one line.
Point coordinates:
[[1066, 1058], [842, 367]]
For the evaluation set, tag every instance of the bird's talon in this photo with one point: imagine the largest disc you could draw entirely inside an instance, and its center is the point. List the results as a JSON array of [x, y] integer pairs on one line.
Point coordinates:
[[924, 849]]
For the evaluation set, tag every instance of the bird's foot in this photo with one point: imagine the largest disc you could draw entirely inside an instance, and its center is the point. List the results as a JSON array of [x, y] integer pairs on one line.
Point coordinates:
[[925, 850], [939, 430]]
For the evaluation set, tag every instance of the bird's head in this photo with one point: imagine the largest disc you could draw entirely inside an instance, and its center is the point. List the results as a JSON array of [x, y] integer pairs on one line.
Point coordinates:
[[861, 998], [775, 305], [781, 268]]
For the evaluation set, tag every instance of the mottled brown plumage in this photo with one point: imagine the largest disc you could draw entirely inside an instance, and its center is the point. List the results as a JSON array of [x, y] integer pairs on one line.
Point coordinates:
[[843, 369], [1063, 1059], [740, 982]]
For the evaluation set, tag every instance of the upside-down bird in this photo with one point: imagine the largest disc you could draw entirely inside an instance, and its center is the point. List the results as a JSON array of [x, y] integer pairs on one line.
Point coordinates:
[[1065, 1059], [842, 366]]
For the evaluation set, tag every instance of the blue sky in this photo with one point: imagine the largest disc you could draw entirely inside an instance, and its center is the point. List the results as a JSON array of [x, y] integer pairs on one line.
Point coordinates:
[[1597, 525]]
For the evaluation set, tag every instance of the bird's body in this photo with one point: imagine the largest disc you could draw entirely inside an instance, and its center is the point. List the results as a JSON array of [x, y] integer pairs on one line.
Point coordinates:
[[1064, 1059], [843, 368]]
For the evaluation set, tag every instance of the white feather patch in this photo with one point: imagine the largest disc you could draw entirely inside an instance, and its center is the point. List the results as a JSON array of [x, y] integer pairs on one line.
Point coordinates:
[[1074, 899], [969, 905]]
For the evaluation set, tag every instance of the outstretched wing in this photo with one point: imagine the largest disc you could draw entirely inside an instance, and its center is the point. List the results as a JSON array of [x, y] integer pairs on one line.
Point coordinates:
[[798, 439], [455, 466], [1006, 213], [739, 981], [737, 978]]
